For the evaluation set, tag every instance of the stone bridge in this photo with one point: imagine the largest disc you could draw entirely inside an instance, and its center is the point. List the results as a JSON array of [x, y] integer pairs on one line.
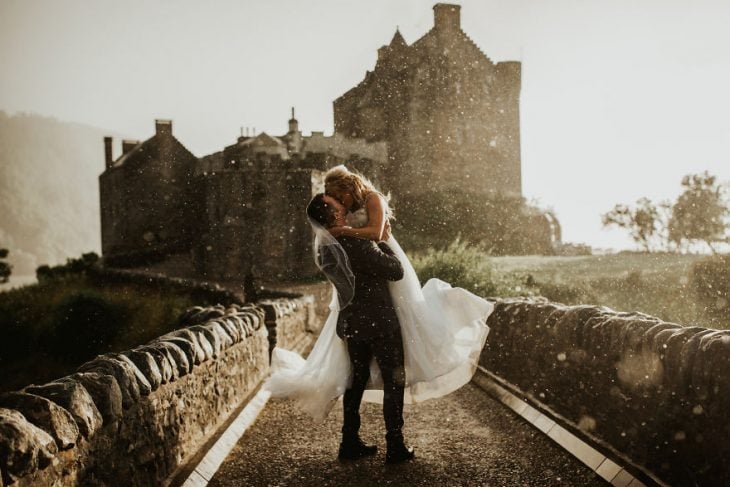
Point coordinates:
[[564, 395]]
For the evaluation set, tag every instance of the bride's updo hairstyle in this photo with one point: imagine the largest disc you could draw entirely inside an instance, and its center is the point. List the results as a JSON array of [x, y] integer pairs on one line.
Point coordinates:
[[341, 179]]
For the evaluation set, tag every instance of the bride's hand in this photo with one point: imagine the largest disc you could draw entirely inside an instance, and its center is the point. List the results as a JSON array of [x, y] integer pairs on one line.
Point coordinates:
[[340, 210], [386, 230]]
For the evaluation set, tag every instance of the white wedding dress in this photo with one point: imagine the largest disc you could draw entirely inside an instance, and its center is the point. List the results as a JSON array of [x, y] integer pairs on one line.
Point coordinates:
[[444, 330]]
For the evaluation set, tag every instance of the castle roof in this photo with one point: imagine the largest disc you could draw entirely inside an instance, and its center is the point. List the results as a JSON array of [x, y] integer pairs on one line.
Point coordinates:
[[437, 41], [263, 140], [142, 150], [398, 40], [149, 149]]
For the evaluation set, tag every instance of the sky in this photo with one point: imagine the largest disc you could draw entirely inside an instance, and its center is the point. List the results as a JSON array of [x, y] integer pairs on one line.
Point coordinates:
[[620, 99]]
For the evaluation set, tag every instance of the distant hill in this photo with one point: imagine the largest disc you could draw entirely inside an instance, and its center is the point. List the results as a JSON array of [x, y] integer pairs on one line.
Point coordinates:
[[49, 192]]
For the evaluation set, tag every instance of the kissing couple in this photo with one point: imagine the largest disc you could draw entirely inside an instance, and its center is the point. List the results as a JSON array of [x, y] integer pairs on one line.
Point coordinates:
[[387, 339]]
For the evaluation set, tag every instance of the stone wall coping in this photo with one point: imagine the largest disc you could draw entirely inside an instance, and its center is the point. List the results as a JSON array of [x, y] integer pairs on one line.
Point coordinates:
[[653, 390], [39, 421]]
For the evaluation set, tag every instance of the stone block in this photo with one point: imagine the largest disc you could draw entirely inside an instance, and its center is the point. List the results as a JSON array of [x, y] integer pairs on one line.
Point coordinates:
[[145, 388], [211, 336], [190, 349], [176, 355], [147, 365], [687, 356], [233, 332], [204, 342], [190, 316], [713, 350], [106, 393], [164, 364], [46, 415], [72, 396], [199, 354], [24, 448], [225, 339], [123, 374]]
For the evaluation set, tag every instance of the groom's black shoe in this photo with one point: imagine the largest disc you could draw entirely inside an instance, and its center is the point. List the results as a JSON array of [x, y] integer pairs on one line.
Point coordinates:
[[398, 452], [354, 449]]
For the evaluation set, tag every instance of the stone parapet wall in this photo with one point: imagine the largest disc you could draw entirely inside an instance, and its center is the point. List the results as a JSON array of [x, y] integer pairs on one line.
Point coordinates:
[[291, 322], [657, 392], [136, 417]]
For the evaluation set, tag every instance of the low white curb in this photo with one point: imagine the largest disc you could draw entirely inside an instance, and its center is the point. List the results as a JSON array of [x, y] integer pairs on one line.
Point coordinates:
[[211, 462], [603, 466]]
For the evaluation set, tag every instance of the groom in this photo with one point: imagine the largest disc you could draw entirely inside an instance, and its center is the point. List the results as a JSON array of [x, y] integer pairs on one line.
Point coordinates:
[[370, 328]]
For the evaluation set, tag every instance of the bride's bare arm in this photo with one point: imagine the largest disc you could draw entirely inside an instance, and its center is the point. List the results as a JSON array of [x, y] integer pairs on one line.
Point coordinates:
[[376, 226]]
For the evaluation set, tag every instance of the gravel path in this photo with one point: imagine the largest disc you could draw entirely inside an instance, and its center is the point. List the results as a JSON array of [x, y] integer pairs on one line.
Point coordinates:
[[466, 438]]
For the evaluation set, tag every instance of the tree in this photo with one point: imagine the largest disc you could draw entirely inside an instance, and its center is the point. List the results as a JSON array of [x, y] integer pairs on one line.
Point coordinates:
[[5, 268], [501, 224], [700, 213], [643, 221]]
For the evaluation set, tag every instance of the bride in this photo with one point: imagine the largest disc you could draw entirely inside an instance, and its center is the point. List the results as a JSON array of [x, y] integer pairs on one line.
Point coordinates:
[[444, 329]]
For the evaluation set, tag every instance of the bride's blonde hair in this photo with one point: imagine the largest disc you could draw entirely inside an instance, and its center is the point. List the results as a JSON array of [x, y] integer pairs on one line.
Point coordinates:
[[342, 179]]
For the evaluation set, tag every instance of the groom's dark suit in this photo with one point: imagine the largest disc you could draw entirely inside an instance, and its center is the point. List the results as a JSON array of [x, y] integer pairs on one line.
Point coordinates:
[[371, 329]]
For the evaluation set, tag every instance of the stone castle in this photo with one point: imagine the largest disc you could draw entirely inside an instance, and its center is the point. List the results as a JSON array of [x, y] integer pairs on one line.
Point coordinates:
[[232, 213], [450, 116], [436, 114]]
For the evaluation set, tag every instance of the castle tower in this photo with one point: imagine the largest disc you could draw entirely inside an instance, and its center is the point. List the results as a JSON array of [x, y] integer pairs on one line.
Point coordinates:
[[449, 114], [294, 136], [293, 122]]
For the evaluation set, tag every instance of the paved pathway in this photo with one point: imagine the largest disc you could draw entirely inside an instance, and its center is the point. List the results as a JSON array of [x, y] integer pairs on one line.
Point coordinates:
[[466, 438]]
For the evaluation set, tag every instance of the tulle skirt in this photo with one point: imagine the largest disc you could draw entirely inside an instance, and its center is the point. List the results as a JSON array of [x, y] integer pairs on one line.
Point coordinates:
[[443, 328]]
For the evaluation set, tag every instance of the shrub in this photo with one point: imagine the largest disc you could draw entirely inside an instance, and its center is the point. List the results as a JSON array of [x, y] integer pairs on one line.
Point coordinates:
[[459, 264], [70, 268], [566, 293], [5, 268], [710, 279], [85, 324], [504, 224]]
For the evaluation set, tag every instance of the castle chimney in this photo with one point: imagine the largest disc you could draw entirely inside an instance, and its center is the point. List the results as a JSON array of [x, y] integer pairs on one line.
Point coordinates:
[[447, 16], [163, 127], [293, 123], [128, 145], [108, 152]]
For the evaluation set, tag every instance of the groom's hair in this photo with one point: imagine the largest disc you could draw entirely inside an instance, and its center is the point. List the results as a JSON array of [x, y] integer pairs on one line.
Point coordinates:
[[320, 211]]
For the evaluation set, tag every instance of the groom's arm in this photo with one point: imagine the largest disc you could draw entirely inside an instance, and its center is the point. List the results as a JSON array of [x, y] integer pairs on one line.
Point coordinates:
[[378, 261]]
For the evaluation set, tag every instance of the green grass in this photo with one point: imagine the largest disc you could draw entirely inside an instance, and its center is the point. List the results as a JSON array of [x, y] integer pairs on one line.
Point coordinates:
[[51, 328], [614, 265], [655, 284]]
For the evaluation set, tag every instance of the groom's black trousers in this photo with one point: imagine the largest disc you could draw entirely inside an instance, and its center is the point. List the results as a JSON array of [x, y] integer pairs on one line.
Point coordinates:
[[388, 352]]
